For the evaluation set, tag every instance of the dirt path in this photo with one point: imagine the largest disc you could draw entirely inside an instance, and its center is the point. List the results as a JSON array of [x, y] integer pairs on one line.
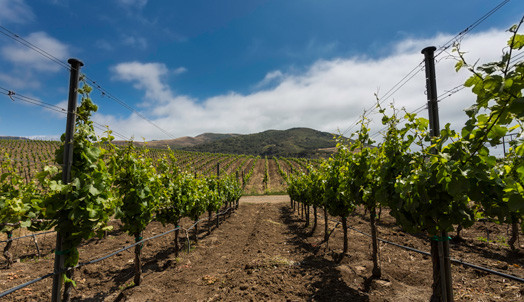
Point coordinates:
[[265, 199], [254, 256]]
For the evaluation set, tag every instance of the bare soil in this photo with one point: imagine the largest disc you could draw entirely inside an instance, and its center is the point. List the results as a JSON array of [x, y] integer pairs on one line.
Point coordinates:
[[263, 252], [276, 182], [256, 184]]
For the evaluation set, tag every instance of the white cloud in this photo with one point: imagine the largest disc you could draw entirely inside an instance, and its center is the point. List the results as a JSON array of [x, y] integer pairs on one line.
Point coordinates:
[[179, 70], [17, 80], [30, 59], [61, 110], [15, 11], [330, 95], [146, 76], [271, 77], [44, 137]]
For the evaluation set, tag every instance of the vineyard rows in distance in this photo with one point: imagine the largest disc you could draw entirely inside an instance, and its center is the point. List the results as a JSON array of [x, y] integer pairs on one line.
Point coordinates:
[[31, 156]]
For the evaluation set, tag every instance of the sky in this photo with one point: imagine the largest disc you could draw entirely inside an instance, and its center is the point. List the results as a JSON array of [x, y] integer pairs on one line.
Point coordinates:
[[236, 66]]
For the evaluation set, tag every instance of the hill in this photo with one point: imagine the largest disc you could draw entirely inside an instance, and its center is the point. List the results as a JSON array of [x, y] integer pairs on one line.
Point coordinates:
[[13, 138], [295, 142], [185, 141]]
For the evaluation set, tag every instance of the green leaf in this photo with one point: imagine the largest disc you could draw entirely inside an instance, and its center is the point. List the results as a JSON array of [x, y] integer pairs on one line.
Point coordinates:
[[516, 202], [459, 65], [497, 131], [517, 105], [67, 280], [516, 42], [93, 191]]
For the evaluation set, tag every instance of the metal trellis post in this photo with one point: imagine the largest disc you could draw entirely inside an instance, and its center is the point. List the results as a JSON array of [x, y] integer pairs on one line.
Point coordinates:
[[66, 169], [443, 243]]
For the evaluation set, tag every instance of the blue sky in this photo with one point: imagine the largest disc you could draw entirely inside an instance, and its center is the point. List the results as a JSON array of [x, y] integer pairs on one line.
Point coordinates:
[[237, 66]]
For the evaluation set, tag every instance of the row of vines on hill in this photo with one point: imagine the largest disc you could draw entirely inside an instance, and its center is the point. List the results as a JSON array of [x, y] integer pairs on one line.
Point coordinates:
[[445, 182], [106, 181]]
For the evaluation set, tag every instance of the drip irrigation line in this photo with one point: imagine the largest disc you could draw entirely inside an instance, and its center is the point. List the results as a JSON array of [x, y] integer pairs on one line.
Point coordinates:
[[456, 261], [11, 290], [32, 235], [86, 263], [18, 287], [125, 248], [207, 218]]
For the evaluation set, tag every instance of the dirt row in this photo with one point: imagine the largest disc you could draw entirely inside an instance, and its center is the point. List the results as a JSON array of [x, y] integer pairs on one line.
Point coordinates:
[[263, 252]]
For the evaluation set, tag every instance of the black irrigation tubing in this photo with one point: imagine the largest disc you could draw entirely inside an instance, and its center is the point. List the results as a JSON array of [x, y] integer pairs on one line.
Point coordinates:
[[126, 248], [140, 242], [456, 261], [207, 218], [11, 290], [32, 235]]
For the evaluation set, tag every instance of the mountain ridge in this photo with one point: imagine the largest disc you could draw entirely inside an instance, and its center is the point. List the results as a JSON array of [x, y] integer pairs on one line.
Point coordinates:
[[294, 142]]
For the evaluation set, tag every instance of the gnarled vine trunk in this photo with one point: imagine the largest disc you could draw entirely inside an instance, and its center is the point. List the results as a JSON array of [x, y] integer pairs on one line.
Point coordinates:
[[177, 232], [376, 272], [345, 229], [514, 232], [8, 245], [196, 231], [209, 222], [68, 286], [326, 225], [307, 216], [138, 261], [314, 219]]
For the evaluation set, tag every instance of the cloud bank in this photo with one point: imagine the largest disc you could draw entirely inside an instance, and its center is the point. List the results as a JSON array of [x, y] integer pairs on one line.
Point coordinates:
[[27, 65], [329, 96]]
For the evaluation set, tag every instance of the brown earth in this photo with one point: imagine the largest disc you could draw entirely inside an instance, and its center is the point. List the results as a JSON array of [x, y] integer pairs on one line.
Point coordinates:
[[255, 184], [263, 252], [276, 182]]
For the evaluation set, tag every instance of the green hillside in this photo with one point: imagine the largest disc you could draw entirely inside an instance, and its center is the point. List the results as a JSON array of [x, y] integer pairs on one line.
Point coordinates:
[[295, 142]]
